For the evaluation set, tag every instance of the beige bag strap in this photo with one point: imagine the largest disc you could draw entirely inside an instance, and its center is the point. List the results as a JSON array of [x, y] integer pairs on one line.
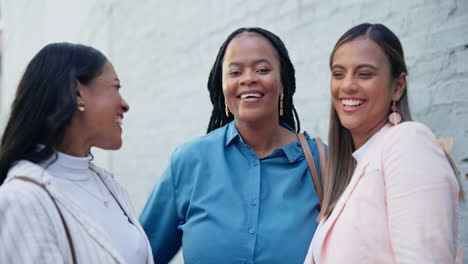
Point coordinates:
[[67, 231], [311, 162]]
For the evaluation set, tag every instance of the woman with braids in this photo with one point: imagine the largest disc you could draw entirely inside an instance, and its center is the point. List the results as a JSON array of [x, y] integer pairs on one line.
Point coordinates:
[[238, 193], [56, 206], [391, 194]]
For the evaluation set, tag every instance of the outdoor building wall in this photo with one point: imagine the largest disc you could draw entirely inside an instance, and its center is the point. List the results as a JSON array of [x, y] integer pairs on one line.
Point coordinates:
[[163, 52]]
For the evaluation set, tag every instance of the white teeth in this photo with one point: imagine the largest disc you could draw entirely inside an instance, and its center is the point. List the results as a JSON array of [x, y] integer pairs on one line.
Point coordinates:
[[256, 95], [118, 120], [351, 102]]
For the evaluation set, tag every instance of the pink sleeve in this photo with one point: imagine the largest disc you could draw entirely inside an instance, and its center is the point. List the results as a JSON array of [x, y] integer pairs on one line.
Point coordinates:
[[422, 196], [309, 258]]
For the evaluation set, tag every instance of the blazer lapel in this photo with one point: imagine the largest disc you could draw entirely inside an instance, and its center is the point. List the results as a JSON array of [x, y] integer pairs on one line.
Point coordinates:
[[87, 223], [34, 171], [358, 173], [118, 193], [361, 169], [93, 229]]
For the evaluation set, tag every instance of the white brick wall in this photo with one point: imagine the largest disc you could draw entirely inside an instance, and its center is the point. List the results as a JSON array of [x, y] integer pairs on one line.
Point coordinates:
[[163, 51]]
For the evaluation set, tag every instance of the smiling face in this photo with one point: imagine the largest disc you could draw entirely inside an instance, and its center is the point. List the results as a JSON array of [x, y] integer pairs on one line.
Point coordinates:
[[251, 79], [362, 88], [104, 110]]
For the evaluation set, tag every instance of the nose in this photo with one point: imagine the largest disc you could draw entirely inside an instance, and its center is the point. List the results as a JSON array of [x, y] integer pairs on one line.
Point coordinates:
[[248, 78], [349, 84], [125, 106]]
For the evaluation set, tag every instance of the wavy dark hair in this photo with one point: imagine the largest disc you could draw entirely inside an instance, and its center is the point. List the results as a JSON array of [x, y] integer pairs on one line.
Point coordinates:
[[287, 72], [45, 101]]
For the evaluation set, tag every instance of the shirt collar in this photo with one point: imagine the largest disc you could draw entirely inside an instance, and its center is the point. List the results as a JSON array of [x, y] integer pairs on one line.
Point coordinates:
[[292, 150], [231, 133], [360, 152]]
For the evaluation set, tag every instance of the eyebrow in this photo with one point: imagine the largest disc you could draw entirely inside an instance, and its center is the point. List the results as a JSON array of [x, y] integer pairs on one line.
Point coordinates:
[[255, 62], [358, 67]]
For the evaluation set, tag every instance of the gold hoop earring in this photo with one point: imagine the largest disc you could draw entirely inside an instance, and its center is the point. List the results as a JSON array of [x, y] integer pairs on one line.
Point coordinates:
[[281, 104]]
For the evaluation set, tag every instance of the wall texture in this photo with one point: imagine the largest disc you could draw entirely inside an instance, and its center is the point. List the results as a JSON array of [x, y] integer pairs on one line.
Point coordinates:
[[163, 51]]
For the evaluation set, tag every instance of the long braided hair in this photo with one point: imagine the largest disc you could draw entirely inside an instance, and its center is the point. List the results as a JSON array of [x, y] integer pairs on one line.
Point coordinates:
[[215, 85]]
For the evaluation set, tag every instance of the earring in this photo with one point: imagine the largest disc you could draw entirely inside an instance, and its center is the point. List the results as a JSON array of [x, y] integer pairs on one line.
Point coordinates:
[[226, 110], [394, 118], [81, 107], [281, 104]]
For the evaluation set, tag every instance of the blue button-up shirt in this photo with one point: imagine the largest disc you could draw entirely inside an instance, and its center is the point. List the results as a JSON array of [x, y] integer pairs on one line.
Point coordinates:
[[225, 205]]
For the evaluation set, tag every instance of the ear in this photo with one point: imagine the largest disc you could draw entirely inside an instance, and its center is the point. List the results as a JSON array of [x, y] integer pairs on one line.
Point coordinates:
[[399, 86], [81, 93]]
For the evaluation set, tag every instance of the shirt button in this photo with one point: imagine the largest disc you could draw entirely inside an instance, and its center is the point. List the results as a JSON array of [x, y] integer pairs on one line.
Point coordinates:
[[253, 202], [255, 163], [251, 230]]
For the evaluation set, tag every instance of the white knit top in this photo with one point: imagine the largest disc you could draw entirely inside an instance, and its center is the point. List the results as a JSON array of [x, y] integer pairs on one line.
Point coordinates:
[[87, 189]]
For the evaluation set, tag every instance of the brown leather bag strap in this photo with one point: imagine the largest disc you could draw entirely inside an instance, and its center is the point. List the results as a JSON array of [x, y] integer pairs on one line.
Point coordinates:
[[67, 231], [323, 159], [312, 166]]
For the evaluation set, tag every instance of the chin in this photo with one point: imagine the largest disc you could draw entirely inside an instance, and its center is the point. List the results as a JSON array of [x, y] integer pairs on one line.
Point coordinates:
[[252, 117], [111, 145], [116, 146]]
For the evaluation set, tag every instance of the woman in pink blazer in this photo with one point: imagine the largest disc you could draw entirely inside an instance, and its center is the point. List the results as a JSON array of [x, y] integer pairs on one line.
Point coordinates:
[[391, 194]]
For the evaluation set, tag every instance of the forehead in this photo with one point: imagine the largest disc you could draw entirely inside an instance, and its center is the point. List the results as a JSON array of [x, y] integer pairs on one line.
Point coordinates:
[[252, 46], [358, 51], [108, 73]]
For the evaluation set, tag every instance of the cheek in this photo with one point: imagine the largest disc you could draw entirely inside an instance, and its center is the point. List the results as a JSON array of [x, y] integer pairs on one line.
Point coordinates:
[[229, 90], [381, 93], [334, 88]]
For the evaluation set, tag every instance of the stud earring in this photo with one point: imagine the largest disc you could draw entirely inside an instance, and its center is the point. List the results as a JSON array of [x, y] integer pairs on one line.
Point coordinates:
[[80, 106], [395, 117], [226, 110], [281, 104]]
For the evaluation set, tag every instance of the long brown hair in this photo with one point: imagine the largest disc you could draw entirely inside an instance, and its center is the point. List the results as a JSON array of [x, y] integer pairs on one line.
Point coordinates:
[[341, 163]]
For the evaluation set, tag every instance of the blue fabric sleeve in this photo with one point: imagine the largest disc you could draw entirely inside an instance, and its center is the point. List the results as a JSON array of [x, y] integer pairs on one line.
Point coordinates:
[[159, 219]]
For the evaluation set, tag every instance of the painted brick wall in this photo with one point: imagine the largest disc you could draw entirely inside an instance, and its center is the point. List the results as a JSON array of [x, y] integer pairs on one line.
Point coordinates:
[[163, 51]]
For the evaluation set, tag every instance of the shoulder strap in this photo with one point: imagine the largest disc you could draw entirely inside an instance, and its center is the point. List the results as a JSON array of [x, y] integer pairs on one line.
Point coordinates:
[[323, 158], [67, 231], [312, 166]]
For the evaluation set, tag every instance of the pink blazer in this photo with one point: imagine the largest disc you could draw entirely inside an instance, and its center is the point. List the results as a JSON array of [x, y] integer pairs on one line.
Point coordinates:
[[401, 205]]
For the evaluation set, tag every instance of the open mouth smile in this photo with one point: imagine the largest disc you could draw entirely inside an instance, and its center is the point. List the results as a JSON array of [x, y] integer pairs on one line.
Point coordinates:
[[250, 95], [351, 104], [118, 120]]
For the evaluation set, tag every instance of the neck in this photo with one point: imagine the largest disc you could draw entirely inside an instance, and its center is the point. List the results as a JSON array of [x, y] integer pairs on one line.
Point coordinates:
[[74, 143], [359, 139], [264, 137]]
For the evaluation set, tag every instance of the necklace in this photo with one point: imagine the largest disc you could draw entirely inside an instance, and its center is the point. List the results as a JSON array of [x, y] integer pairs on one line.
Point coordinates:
[[100, 199]]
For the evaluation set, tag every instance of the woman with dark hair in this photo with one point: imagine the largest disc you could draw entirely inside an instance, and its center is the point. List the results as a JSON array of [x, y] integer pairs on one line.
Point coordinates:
[[391, 194], [56, 206], [235, 194]]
